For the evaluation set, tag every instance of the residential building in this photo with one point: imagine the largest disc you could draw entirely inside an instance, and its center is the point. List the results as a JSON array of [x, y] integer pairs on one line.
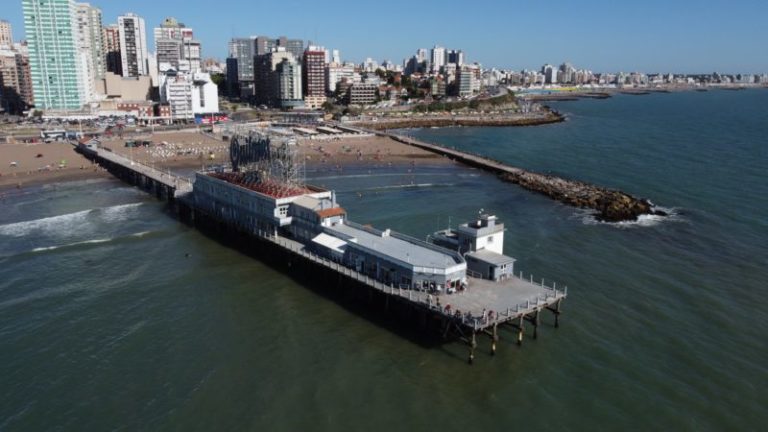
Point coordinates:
[[550, 74], [265, 45], [240, 71], [467, 81], [455, 57], [267, 82], [112, 56], [336, 72], [90, 45], [188, 94], [10, 98], [567, 73], [438, 58], [437, 87], [288, 77], [176, 47], [362, 93], [133, 45], [58, 78], [314, 76], [15, 81], [369, 65], [25, 75], [6, 34], [421, 55], [293, 46]]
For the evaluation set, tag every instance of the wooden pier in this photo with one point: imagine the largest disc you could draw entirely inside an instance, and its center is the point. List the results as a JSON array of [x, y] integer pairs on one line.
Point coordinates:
[[482, 309]]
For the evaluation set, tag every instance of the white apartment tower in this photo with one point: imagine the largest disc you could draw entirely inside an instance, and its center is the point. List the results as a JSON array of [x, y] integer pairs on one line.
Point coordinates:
[[133, 45], [90, 46], [188, 94], [438, 58]]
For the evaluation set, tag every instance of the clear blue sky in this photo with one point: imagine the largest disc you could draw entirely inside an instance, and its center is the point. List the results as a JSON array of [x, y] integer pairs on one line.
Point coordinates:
[[682, 36]]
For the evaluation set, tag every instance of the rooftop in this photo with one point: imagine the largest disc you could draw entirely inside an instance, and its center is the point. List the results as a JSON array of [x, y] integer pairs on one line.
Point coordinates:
[[491, 257], [270, 188], [397, 246]]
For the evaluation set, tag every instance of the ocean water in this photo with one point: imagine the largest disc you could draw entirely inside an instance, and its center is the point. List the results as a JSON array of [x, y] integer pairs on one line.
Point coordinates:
[[115, 316]]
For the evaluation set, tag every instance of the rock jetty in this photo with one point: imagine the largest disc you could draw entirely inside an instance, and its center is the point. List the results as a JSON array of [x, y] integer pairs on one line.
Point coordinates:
[[450, 121], [611, 205]]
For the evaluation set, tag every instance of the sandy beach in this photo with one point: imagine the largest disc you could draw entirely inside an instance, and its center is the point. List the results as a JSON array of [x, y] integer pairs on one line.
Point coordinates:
[[23, 165]]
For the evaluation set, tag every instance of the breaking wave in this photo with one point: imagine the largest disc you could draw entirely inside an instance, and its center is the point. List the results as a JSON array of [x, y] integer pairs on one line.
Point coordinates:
[[66, 222], [673, 215]]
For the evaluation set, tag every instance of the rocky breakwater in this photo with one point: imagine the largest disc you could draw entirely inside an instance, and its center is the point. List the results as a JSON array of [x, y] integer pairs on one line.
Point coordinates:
[[545, 117], [611, 205]]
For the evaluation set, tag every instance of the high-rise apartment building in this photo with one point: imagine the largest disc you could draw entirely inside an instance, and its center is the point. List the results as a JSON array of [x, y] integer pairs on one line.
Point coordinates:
[[58, 79], [467, 80], [268, 80], [240, 67], [293, 46], [550, 74], [288, 83], [421, 55], [133, 45], [176, 48], [567, 73], [314, 76], [90, 45], [6, 34], [112, 56], [438, 58], [25, 74], [188, 94], [456, 57], [336, 72], [10, 99], [264, 45]]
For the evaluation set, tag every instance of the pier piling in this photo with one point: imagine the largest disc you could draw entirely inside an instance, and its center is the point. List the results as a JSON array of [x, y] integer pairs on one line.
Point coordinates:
[[472, 346], [494, 339]]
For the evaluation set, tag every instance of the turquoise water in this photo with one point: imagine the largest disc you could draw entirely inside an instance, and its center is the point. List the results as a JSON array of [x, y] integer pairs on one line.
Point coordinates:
[[105, 324]]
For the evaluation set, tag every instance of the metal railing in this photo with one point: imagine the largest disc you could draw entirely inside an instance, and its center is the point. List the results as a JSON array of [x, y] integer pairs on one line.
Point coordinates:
[[490, 318]]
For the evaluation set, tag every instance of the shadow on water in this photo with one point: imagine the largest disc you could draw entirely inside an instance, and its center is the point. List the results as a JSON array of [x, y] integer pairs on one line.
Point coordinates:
[[401, 320]]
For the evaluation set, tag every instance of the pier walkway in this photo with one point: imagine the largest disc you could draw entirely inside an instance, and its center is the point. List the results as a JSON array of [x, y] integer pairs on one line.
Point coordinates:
[[165, 182]]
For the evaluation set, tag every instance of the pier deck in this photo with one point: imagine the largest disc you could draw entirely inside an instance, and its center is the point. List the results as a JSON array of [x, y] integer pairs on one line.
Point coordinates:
[[510, 300], [178, 185]]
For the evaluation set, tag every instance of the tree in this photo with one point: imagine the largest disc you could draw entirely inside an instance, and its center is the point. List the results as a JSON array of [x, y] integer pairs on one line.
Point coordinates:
[[328, 106]]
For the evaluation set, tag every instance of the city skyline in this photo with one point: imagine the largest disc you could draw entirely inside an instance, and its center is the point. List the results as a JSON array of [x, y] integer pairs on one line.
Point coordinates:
[[601, 36]]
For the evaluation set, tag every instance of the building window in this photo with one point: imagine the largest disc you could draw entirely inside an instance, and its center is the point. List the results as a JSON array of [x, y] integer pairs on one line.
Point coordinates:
[[490, 239]]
